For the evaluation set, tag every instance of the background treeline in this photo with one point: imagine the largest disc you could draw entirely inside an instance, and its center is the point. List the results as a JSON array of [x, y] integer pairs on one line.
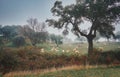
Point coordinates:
[[32, 33]]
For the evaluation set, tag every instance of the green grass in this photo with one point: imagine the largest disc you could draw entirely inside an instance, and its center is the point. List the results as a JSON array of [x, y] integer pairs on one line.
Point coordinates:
[[93, 72], [82, 48], [111, 71], [112, 46], [96, 72]]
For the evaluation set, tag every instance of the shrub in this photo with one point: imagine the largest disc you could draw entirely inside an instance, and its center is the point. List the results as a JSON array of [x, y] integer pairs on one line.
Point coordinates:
[[19, 41], [8, 61]]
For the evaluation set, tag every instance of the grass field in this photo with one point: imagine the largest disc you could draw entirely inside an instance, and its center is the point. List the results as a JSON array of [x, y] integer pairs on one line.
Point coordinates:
[[97, 72], [82, 47], [74, 71]]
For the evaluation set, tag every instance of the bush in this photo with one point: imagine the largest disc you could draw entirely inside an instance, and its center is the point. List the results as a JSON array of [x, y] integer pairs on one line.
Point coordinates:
[[19, 41], [31, 58], [8, 61]]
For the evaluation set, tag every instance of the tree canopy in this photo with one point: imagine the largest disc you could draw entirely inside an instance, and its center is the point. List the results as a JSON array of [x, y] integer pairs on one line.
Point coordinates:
[[118, 35], [35, 31], [100, 13], [57, 39]]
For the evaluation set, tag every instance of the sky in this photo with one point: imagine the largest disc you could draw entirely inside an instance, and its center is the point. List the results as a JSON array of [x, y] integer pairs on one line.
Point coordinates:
[[16, 12]]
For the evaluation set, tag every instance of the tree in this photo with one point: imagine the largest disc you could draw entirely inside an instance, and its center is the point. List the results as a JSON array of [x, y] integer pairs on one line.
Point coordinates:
[[1, 35], [97, 37], [57, 39], [40, 37], [19, 41], [35, 31], [118, 35], [8, 32], [100, 13], [80, 39], [0, 29], [35, 25]]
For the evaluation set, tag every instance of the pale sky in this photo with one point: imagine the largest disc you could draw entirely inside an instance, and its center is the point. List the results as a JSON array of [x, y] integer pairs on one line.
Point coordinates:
[[16, 12]]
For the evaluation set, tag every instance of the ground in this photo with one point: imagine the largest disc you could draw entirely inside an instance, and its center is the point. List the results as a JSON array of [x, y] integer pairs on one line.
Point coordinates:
[[73, 71]]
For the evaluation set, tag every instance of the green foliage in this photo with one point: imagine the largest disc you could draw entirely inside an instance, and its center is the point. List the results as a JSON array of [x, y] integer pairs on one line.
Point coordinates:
[[118, 35], [56, 39], [97, 12], [97, 36], [1, 41], [9, 32], [100, 13], [34, 31], [19, 41]]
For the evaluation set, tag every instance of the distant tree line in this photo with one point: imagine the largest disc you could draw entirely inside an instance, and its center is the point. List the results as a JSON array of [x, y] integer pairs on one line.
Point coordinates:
[[32, 33]]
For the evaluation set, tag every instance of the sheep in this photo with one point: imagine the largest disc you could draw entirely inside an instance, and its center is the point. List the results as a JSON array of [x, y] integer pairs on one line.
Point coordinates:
[[100, 48], [56, 49], [76, 51], [42, 50], [67, 50], [63, 50], [52, 49]]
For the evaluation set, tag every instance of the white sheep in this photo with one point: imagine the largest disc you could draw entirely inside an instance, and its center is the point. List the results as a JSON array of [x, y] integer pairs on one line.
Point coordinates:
[[76, 51], [63, 50], [52, 49], [42, 50], [56, 49], [100, 48], [67, 50]]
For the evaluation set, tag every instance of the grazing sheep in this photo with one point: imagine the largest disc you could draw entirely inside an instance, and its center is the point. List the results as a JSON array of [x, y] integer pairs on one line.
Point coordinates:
[[56, 50], [53, 48], [76, 51], [100, 48], [67, 51], [42, 50], [63, 50]]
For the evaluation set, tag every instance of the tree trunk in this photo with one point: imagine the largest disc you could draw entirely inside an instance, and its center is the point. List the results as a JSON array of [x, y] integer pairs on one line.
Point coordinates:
[[90, 49], [90, 46]]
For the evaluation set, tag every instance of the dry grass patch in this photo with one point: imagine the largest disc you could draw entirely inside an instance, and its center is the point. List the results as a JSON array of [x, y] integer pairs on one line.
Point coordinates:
[[43, 71]]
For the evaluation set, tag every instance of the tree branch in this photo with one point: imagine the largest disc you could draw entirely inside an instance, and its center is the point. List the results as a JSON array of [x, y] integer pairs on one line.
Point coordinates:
[[77, 29]]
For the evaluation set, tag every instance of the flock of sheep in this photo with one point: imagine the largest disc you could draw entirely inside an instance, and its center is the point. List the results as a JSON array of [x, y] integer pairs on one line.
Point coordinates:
[[55, 49]]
